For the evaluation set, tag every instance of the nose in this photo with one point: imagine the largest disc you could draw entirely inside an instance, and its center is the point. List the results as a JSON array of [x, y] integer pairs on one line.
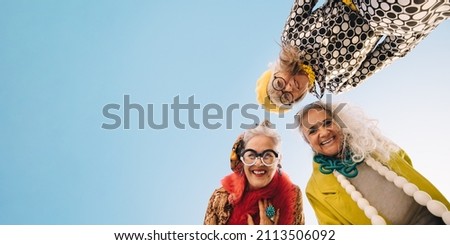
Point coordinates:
[[323, 131], [259, 161], [288, 86]]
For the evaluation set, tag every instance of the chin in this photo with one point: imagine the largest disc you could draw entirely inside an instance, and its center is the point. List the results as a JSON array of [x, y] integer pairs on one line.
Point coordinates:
[[261, 183], [257, 186], [331, 152]]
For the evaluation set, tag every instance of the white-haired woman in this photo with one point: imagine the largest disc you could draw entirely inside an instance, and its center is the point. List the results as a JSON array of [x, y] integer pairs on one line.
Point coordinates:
[[361, 177], [258, 191], [342, 43]]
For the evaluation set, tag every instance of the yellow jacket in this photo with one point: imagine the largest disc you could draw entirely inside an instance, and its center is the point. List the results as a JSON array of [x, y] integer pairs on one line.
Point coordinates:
[[333, 205]]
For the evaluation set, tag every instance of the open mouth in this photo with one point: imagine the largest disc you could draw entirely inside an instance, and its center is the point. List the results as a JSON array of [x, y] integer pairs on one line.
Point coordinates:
[[259, 172], [328, 141]]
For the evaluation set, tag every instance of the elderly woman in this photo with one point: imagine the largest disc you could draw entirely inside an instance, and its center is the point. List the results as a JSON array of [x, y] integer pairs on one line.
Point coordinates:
[[361, 177], [340, 44], [258, 191]]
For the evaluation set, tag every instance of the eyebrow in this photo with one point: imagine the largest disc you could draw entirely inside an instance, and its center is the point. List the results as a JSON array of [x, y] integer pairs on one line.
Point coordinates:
[[321, 123], [250, 149]]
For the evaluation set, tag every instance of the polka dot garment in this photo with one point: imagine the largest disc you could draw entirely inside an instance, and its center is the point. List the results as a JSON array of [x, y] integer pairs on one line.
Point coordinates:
[[345, 47]]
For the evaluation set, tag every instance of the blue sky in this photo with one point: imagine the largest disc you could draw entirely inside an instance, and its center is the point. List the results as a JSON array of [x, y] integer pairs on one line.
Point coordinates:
[[62, 62]]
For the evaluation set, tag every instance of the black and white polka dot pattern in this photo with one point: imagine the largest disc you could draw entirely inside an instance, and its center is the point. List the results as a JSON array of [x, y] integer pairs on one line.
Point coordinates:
[[345, 47]]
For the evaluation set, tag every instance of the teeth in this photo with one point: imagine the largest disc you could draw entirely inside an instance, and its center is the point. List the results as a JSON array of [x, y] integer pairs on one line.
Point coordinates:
[[259, 172], [327, 141]]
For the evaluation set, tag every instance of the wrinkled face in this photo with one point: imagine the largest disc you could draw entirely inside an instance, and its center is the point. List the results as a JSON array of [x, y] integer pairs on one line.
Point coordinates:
[[259, 175], [322, 133], [290, 88]]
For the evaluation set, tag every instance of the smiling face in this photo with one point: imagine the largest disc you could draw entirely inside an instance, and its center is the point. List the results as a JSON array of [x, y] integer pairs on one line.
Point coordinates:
[[322, 133], [259, 175]]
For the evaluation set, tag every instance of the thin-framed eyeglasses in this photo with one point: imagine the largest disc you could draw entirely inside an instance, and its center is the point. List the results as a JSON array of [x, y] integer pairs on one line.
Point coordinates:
[[268, 157], [287, 98]]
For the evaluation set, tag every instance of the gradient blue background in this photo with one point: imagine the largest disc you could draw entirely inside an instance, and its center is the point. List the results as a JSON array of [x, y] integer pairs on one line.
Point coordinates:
[[61, 62]]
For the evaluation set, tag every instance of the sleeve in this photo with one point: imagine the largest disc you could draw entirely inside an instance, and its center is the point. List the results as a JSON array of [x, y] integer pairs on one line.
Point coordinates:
[[387, 51], [299, 214], [323, 214], [210, 216], [219, 208], [316, 199], [300, 11]]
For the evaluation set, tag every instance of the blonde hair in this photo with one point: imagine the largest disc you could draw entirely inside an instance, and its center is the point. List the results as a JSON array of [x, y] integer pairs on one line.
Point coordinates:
[[361, 134], [289, 59]]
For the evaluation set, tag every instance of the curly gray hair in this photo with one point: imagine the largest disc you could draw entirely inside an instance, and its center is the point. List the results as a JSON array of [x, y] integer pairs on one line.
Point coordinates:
[[361, 133]]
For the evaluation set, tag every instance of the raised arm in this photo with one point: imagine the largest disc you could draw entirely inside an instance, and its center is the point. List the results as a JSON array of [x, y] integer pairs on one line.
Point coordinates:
[[300, 11], [390, 49]]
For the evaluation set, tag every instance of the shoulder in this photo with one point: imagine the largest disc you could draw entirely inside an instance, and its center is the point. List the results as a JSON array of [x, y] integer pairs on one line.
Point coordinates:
[[297, 189], [219, 208], [219, 197], [398, 158]]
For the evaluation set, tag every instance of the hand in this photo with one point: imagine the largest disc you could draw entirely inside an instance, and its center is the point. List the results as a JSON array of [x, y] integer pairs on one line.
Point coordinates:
[[263, 219]]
